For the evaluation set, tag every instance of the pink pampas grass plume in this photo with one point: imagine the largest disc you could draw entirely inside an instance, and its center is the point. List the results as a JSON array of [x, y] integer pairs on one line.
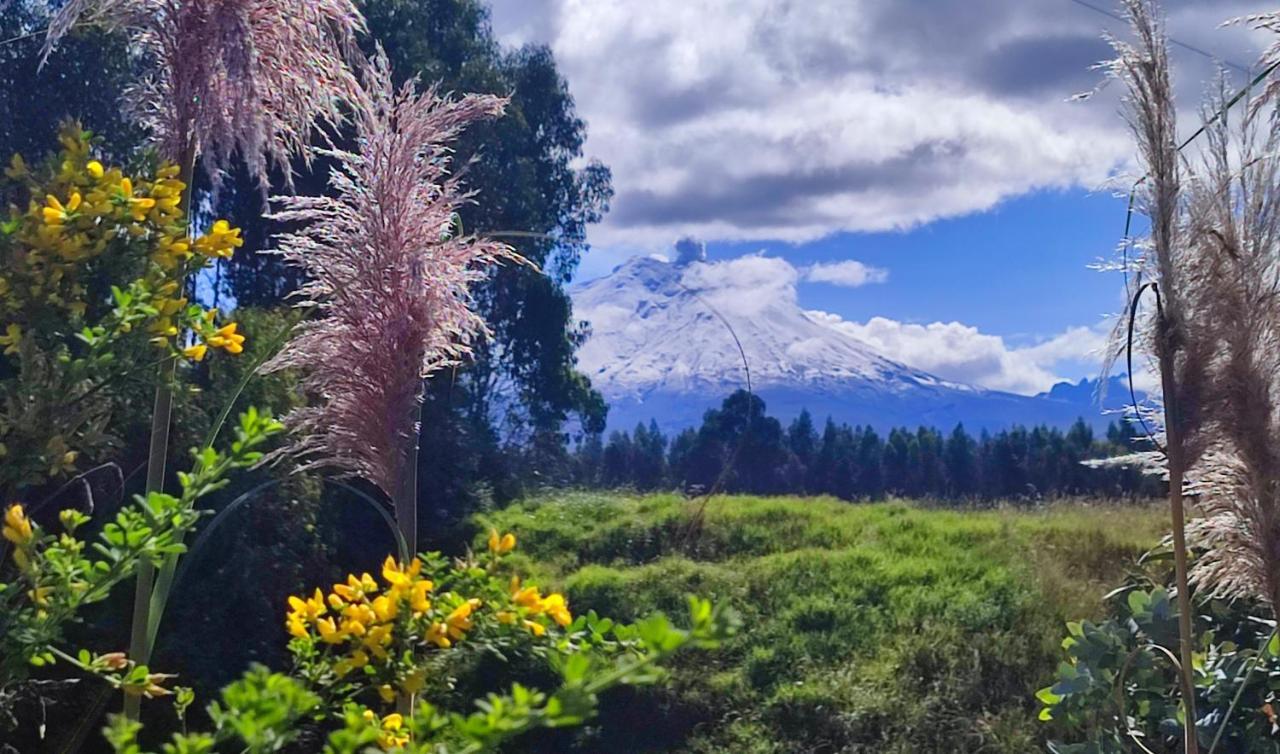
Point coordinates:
[[389, 276], [231, 76]]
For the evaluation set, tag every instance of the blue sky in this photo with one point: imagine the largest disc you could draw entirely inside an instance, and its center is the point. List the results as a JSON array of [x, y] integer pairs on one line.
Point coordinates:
[[932, 147], [1019, 270]]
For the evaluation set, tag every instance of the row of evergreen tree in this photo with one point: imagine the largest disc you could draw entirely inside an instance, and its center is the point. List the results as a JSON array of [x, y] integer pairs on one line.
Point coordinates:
[[740, 448]]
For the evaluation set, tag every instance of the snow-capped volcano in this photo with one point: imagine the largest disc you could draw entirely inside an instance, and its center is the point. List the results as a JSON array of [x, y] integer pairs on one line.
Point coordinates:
[[665, 338], [661, 326]]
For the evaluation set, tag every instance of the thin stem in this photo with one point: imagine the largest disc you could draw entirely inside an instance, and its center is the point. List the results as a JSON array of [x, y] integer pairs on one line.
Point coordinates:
[[1174, 453], [406, 507], [161, 418], [406, 497]]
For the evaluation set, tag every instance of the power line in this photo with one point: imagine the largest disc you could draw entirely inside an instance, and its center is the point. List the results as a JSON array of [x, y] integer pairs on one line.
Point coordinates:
[[1191, 48]]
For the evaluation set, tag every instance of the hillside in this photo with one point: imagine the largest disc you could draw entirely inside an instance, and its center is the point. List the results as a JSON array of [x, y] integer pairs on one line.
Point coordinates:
[[878, 628], [659, 349]]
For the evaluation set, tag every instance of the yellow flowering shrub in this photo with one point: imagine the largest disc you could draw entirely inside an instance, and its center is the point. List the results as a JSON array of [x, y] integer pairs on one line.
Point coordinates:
[[55, 574], [378, 633], [95, 267], [374, 654]]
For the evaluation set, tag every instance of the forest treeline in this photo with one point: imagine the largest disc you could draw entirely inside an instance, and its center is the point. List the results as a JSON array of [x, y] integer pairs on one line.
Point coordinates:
[[740, 448]]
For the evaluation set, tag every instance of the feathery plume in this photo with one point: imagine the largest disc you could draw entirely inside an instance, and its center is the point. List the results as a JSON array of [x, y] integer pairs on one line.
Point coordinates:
[[389, 276], [1233, 255], [1171, 333], [1214, 253], [1270, 58], [1163, 332], [233, 76]]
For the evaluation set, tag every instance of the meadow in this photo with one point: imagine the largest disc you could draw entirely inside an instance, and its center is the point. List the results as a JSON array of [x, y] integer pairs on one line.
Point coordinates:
[[887, 627]]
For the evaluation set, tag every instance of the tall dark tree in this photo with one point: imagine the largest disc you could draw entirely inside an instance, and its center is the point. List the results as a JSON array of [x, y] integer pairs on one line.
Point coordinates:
[[932, 474], [869, 464], [589, 460], [84, 78], [649, 459], [802, 440], [962, 464], [615, 468]]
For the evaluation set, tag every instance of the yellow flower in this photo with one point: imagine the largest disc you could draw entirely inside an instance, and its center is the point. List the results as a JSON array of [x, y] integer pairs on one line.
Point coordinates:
[[356, 589], [387, 693], [137, 206], [459, 621], [537, 629], [392, 737], [397, 577], [505, 616], [529, 598], [329, 633], [95, 169], [227, 339], [377, 639], [555, 606], [386, 608], [11, 339], [418, 601], [40, 595], [309, 609], [357, 660], [438, 634], [356, 619], [55, 213], [295, 625], [221, 241], [17, 527], [501, 545], [195, 352]]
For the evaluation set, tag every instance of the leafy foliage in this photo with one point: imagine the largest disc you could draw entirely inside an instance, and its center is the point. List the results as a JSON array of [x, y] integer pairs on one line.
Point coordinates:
[[57, 576], [94, 263], [1119, 686], [368, 645]]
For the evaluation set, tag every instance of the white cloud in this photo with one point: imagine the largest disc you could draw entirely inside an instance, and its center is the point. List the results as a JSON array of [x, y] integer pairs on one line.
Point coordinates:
[[745, 285], [760, 120], [849, 274], [960, 352]]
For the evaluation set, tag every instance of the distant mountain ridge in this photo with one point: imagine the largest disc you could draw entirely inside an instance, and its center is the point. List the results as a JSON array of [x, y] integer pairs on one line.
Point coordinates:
[[659, 349]]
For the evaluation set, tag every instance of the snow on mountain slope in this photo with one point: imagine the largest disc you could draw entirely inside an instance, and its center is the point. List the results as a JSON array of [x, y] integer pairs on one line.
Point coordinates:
[[660, 348]]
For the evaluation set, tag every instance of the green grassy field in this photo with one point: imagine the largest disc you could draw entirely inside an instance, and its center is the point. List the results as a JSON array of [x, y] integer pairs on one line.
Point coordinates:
[[884, 627]]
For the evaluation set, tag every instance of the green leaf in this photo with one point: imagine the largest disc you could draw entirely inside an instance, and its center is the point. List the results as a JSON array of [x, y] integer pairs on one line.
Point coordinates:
[[1047, 696]]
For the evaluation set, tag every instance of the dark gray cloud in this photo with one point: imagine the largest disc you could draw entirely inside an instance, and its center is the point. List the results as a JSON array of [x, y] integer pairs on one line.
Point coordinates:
[[769, 200], [792, 119], [1041, 66]]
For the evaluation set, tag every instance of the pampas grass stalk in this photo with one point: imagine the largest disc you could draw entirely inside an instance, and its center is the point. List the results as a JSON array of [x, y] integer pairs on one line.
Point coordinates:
[[389, 275], [246, 78], [1143, 66], [1214, 262]]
